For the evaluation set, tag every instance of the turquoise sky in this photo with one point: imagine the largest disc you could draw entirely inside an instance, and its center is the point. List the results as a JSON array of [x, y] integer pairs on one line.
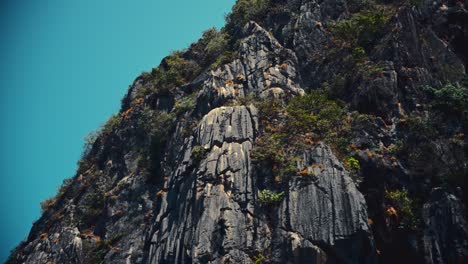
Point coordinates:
[[64, 66]]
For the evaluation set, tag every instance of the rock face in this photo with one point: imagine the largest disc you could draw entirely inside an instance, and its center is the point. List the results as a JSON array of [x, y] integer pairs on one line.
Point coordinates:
[[445, 233], [325, 210], [172, 178], [214, 215]]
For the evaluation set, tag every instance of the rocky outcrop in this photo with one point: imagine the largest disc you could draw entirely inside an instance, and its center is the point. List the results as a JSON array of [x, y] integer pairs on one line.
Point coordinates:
[[211, 211], [324, 214], [445, 236], [172, 179], [264, 68]]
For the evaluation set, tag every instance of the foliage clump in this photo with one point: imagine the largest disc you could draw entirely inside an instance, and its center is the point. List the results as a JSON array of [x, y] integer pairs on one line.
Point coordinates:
[[216, 45], [198, 154], [450, 98], [405, 207], [111, 124], [314, 112], [244, 11], [352, 41], [270, 197], [353, 165], [91, 208], [360, 32], [96, 253], [290, 129], [259, 258], [174, 71], [185, 104], [47, 203]]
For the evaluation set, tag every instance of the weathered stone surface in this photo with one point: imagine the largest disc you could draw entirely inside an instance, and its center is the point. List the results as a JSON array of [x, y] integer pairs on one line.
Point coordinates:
[[264, 68], [192, 197], [445, 235], [328, 210], [210, 213]]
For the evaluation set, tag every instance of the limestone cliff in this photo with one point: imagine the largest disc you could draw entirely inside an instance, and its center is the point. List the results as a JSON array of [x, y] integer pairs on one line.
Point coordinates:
[[304, 131]]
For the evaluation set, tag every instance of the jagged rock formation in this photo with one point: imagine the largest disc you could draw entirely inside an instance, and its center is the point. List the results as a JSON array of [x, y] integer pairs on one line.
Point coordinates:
[[177, 176]]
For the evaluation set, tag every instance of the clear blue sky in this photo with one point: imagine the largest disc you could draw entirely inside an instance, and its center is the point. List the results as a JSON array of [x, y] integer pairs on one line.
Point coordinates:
[[64, 66]]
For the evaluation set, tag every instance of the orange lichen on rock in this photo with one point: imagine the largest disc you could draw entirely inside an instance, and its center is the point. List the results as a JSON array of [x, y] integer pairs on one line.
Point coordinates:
[[277, 179], [127, 113], [90, 235], [309, 141], [370, 154], [303, 172], [119, 213], [391, 212], [139, 100]]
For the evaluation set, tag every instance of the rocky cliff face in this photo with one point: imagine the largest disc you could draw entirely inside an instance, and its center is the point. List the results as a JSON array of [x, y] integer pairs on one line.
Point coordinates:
[[303, 132]]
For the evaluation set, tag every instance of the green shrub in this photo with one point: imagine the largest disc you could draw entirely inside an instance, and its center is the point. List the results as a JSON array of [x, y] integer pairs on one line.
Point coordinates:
[[111, 124], [405, 207], [353, 165], [198, 154], [47, 203], [363, 29], [154, 122], [244, 11], [226, 57], [270, 147], [96, 253], [314, 112], [89, 142], [450, 98], [216, 43], [259, 258], [174, 71], [270, 197], [289, 130], [91, 208], [155, 127], [185, 104]]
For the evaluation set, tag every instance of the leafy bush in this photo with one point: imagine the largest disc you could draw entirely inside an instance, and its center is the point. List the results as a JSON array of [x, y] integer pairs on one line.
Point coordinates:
[[353, 165], [244, 11], [314, 112], [450, 98], [216, 43], [96, 253], [198, 154], [405, 207], [89, 142], [185, 104], [174, 71], [91, 208], [226, 57], [46, 204], [270, 197], [417, 145], [270, 147], [363, 29], [111, 124], [288, 130], [259, 258], [157, 125]]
